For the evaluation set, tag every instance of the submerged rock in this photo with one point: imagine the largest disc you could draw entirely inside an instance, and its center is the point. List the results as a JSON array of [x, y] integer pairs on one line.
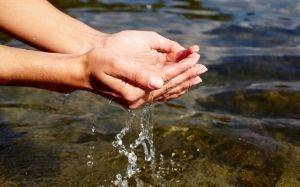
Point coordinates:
[[239, 69], [209, 158], [266, 103]]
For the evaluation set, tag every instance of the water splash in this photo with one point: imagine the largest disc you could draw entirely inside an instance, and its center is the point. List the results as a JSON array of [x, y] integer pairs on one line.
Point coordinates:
[[145, 140], [90, 162], [90, 158]]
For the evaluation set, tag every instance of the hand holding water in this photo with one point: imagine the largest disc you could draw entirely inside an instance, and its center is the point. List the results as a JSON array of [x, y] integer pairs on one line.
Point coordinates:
[[130, 67], [147, 50]]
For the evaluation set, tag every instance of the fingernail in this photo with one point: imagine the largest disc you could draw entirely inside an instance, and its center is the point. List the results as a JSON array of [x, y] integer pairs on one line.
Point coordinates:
[[194, 48], [198, 81], [156, 83], [203, 69]]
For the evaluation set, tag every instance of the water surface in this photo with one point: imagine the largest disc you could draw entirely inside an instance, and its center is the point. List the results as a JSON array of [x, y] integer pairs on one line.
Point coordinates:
[[239, 128]]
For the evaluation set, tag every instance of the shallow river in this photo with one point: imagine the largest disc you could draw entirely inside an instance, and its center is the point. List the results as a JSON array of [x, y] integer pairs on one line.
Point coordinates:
[[241, 127]]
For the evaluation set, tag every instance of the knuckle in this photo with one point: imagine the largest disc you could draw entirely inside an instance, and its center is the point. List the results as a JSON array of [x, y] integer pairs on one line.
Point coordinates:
[[134, 95], [135, 77], [167, 74], [130, 97]]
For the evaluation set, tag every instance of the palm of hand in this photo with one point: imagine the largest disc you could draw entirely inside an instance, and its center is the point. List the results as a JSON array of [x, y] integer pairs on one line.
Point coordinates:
[[137, 47]]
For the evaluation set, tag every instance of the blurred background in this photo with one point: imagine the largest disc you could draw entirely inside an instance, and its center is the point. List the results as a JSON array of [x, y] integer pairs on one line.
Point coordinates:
[[240, 127]]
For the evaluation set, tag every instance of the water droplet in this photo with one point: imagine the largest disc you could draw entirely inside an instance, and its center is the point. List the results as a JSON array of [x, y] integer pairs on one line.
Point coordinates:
[[117, 143], [132, 158], [119, 176], [93, 129], [90, 163]]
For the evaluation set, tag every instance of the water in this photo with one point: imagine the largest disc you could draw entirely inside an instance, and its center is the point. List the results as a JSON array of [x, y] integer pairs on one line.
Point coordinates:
[[144, 139], [239, 128]]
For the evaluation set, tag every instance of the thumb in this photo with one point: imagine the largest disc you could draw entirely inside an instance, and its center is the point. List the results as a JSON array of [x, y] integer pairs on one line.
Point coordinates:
[[178, 56], [163, 44], [153, 82]]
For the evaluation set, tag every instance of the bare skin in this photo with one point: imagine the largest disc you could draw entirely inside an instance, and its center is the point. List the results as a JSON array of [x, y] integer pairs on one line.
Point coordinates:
[[127, 66]]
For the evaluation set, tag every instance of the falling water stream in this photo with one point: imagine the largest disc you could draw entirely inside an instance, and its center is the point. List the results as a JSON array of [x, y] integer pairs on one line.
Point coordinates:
[[144, 139]]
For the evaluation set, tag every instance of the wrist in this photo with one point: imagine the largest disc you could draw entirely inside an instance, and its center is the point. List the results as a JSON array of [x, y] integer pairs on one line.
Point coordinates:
[[94, 39], [79, 74]]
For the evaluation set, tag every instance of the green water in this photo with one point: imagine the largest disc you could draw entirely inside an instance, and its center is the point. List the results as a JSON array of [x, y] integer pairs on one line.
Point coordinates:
[[239, 128]]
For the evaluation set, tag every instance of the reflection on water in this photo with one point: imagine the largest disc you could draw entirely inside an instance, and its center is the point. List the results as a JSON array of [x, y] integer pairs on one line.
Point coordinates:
[[240, 128]]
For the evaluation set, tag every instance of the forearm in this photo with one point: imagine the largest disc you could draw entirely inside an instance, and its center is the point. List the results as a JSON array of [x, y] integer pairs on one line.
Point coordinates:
[[51, 71], [42, 25]]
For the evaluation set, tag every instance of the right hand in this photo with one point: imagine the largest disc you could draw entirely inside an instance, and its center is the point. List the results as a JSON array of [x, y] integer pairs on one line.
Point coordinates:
[[130, 82]]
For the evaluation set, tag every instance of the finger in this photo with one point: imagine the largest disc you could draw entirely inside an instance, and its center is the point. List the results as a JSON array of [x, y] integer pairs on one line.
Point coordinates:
[[184, 86], [112, 96], [148, 98], [137, 75], [175, 96], [177, 56], [194, 48], [163, 44], [137, 104], [191, 73], [128, 92], [171, 97], [173, 70]]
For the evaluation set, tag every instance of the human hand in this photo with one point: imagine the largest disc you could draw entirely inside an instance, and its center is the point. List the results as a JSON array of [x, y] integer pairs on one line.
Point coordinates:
[[127, 82], [151, 48], [147, 47]]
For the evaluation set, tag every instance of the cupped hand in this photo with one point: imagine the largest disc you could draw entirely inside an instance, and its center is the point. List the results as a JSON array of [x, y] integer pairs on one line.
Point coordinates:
[[150, 48], [129, 82]]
